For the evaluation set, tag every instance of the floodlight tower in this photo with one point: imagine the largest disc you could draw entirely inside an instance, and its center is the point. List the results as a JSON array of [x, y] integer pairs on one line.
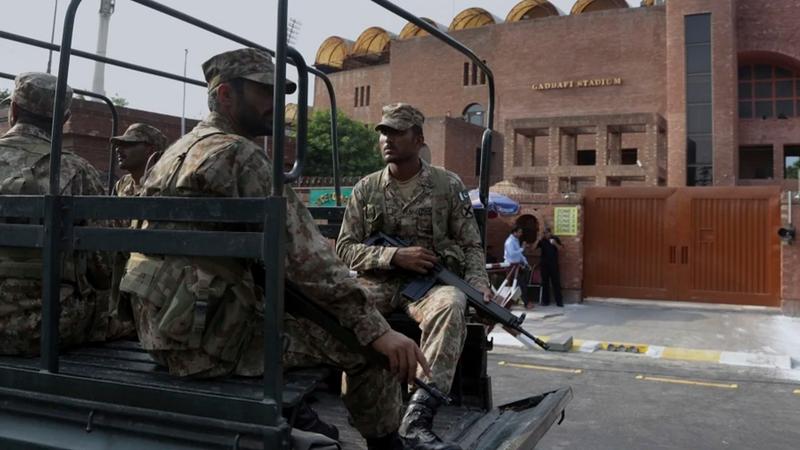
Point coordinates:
[[106, 9]]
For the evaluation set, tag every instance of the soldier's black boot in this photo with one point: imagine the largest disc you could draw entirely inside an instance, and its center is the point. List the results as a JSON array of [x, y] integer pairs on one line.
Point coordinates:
[[417, 425], [391, 441], [303, 417]]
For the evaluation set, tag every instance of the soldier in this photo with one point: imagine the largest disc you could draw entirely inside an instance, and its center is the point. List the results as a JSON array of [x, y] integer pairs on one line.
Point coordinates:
[[25, 170], [137, 149], [219, 159], [429, 207]]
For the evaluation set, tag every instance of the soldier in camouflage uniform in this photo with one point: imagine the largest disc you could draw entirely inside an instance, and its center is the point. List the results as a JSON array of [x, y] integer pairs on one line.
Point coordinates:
[[202, 317], [25, 170], [429, 207], [137, 149]]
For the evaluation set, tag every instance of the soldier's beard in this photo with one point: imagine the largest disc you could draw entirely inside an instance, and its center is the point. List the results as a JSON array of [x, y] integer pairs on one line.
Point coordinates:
[[252, 122]]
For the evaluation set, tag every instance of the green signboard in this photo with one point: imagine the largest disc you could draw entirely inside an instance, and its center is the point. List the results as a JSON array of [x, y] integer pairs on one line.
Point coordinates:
[[326, 197], [565, 221]]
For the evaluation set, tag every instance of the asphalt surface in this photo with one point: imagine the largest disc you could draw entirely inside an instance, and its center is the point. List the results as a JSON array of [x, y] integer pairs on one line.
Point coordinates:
[[626, 401]]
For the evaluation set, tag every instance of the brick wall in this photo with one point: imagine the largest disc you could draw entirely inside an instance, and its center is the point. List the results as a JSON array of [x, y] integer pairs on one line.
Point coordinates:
[[627, 43], [88, 131]]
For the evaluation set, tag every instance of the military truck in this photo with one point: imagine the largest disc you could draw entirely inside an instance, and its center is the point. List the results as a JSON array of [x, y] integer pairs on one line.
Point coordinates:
[[113, 396]]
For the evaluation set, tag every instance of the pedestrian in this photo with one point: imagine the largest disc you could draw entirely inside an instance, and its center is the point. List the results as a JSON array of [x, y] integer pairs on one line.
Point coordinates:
[[513, 254], [551, 276], [430, 208], [219, 158]]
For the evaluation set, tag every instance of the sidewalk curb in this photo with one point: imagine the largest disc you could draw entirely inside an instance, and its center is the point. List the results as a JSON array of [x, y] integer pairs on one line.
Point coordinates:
[[762, 360]]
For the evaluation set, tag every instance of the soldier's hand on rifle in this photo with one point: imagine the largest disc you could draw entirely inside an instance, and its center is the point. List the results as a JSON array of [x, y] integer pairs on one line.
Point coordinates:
[[403, 355], [488, 295], [416, 259]]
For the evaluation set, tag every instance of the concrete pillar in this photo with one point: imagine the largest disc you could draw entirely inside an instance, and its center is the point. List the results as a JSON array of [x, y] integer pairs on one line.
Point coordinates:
[[553, 158], [509, 149], [614, 148], [777, 161], [649, 154], [569, 149], [526, 147], [601, 159]]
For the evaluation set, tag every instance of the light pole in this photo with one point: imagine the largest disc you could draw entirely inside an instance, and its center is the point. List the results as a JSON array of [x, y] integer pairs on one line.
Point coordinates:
[[52, 37], [183, 111]]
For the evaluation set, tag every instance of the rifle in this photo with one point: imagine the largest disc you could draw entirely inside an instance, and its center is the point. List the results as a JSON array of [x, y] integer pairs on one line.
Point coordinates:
[[299, 305], [418, 287]]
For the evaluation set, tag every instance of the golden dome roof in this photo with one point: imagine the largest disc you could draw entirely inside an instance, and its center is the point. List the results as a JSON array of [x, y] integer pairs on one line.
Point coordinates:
[[531, 9], [332, 52], [582, 6], [472, 18], [373, 41], [411, 30]]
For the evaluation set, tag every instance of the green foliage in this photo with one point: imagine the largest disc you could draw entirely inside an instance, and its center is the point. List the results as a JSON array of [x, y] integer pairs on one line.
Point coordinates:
[[358, 147], [4, 94], [119, 101], [792, 168]]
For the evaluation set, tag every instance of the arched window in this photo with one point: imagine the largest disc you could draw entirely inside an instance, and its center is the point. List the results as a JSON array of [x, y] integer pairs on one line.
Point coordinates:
[[474, 114], [767, 91]]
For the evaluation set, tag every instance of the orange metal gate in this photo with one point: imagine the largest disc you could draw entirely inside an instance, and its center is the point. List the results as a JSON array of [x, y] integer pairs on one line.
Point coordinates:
[[715, 245]]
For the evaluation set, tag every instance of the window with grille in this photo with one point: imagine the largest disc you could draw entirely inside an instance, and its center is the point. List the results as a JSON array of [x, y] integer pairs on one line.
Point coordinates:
[[768, 91]]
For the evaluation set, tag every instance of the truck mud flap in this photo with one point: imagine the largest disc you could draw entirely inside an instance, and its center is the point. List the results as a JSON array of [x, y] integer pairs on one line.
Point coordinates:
[[518, 425]]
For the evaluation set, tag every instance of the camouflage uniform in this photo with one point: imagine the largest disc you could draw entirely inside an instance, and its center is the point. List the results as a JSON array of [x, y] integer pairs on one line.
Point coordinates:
[[127, 186], [438, 217], [204, 316], [138, 132], [121, 322], [25, 170]]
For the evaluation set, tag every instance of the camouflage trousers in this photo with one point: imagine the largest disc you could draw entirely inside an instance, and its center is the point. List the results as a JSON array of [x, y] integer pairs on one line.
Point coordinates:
[[21, 316], [372, 395], [441, 318]]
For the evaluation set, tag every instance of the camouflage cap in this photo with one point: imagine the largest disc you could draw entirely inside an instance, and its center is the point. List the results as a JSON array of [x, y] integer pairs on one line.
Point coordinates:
[[248, 63], [141, 132], [35, 92], [400, 116]]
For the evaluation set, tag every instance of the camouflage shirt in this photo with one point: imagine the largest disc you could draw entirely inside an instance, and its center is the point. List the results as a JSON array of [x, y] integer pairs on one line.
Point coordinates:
[[24, 170], [127, 186], [437, 218], [25, 165], [219, 163]]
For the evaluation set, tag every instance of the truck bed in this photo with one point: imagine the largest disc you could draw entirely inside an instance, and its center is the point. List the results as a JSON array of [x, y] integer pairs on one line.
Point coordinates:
[[518, 425]]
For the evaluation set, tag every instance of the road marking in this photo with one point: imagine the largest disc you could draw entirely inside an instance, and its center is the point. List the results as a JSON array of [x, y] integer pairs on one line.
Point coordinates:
[[535, 367], [689, 382], [689, 354]]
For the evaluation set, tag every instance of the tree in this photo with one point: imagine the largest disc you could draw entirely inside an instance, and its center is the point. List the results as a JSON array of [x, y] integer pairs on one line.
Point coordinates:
[[358, 147], [793, 168], [119, 101], [4, 94]]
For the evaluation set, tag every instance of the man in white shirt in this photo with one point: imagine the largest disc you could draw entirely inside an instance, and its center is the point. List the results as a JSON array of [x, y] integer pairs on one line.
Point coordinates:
[[513, 253]]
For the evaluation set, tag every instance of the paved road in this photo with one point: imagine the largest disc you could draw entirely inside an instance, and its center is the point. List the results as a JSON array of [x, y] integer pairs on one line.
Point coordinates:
[[631, 402]]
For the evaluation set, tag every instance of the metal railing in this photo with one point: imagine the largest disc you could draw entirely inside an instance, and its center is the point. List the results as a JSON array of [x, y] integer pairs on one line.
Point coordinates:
[[58, 235]]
